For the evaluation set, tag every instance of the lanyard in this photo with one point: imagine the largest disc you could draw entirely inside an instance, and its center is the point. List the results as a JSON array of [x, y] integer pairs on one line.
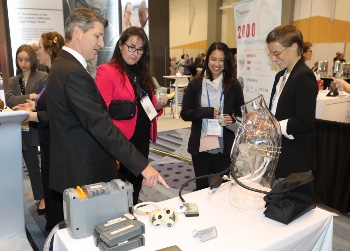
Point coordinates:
[[142, 92], [41, 92], [222, 94], [22, 86], [136, 87]]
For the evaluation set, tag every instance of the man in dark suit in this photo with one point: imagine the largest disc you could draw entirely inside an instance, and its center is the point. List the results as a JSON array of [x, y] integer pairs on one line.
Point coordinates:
[[84, 142]]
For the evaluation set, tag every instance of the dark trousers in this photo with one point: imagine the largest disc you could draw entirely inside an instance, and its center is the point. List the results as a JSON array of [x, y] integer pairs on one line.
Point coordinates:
[[30, 156], [207, 163], [53, 208], [136, 181]]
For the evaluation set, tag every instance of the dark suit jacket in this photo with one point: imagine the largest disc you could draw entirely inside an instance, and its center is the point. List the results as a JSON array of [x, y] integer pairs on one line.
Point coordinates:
[[297, 103], [14, 96], [192, 111], [84, 141]]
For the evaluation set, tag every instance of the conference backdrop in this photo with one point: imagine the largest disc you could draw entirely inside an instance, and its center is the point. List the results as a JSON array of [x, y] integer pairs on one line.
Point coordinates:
[[254, 20], [131, 14], [29, 19]]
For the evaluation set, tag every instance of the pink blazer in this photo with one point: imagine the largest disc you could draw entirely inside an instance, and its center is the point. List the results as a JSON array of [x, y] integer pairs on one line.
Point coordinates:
[[112, 87]]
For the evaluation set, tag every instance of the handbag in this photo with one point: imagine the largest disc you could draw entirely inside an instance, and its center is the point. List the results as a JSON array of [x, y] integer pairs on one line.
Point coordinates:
[[290, 198], [122, 109]]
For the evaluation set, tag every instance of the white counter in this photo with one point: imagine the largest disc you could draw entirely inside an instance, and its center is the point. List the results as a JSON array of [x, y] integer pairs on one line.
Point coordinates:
[[333, 108]]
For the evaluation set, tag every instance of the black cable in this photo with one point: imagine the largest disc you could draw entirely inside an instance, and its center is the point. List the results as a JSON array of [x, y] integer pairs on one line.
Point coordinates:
[[196, 178], [246, 187]]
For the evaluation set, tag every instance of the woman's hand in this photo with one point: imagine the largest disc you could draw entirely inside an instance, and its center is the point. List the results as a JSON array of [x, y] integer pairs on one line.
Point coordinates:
[[30, 105], [162, 100], [345, 85], [228, 120], [33, 96], [216, 113]]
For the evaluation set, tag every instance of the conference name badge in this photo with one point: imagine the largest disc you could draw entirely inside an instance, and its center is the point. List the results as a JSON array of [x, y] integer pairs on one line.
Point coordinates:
[[148, 107], [214, 129]]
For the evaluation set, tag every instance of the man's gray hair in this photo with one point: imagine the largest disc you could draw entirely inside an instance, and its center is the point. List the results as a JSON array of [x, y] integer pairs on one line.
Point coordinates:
[[85, 19]]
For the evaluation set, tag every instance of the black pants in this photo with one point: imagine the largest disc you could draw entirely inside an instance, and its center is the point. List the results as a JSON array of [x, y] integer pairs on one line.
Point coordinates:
[[53, 207], [125, 174], [207, 163], [31, 159]]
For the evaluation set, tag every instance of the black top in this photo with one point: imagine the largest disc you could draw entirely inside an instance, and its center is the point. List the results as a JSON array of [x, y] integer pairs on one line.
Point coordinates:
[[297, 103], [143, 124], [43, 127]]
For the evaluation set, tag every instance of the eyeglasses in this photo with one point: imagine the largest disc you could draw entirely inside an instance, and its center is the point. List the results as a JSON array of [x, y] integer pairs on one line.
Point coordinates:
[[132, 48], [276, 54], [83, 4], [142, 13]]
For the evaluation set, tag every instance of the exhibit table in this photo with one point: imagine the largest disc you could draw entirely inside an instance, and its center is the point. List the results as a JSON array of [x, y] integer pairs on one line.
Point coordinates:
[[12, 230], [180, 81], [237, 229], [333, 108]]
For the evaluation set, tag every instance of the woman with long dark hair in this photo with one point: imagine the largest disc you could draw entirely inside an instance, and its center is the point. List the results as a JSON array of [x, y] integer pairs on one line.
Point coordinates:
[[126, 84], [214, 93]]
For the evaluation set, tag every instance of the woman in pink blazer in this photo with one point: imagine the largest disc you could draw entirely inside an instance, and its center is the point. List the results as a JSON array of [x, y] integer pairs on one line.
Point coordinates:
[[127, 88]]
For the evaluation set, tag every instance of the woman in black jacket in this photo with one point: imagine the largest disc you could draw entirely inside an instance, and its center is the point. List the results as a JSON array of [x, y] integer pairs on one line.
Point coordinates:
[[214, 93], [293, 101]]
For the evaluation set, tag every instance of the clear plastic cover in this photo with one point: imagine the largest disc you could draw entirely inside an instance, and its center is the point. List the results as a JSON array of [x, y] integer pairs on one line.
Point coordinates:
[[254, 154]]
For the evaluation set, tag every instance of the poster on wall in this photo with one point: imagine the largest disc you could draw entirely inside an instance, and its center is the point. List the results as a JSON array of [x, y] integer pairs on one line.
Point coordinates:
[[29, 19], [254, 20], [134, 13], [109, 10]]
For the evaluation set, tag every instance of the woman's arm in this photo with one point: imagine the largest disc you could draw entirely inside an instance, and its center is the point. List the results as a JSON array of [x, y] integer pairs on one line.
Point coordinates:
[[191, 111], [13, 94], [345, 85]]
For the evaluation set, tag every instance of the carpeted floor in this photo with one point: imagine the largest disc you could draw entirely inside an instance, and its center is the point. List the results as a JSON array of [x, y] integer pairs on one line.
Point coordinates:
[[169, 156]]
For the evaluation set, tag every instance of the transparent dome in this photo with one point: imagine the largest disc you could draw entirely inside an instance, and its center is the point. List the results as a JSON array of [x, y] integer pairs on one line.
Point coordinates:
[[254, 155]]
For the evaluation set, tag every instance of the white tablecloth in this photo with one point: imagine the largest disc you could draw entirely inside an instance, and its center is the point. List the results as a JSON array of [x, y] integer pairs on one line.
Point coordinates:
[[237, 229]]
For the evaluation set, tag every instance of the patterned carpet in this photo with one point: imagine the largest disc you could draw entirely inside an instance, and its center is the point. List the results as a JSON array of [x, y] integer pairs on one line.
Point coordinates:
[[169, 156]]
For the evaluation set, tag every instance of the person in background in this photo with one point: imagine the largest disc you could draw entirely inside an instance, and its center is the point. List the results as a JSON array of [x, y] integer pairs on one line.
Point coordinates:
[[49, 45], [34, 45], [173, 66], [187, 64], [341, 58], [336, 58], [307, 51], [127, 77], [27, 85], [181, 63], [345, 85], [127, 16], [85, 144], [197, 65], [143, 16], [215, 92], [293, 101]]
